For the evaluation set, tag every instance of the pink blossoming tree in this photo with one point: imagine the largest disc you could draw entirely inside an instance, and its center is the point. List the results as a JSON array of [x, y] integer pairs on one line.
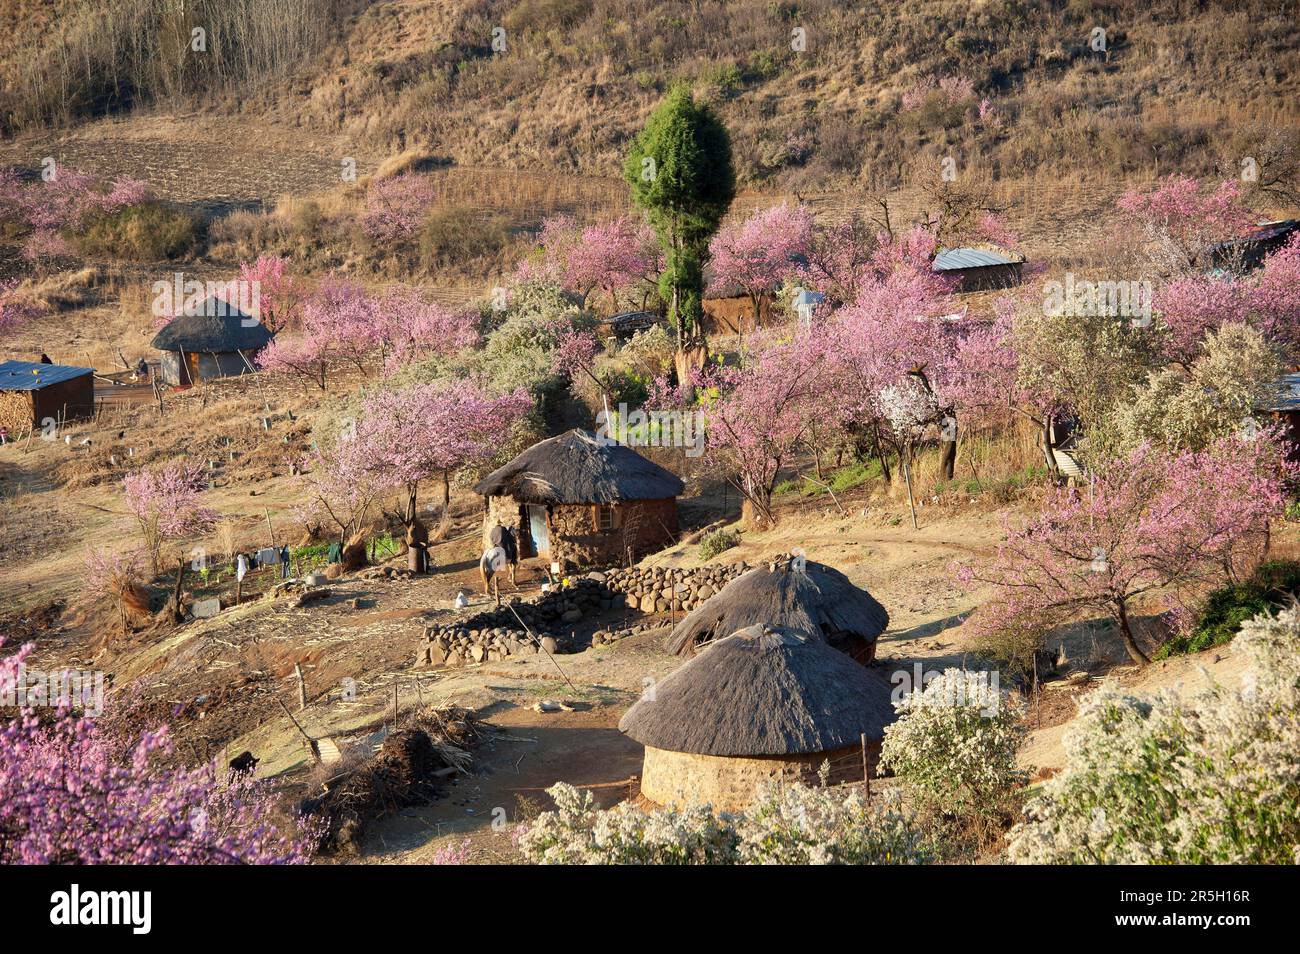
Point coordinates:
[[1149, 524], [1179, 219], [167, 503], [72, 794], [758, 253], [409, 435]]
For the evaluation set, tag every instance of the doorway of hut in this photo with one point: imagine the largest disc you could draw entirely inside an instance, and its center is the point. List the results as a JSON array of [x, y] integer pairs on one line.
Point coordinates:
[[541, 539]]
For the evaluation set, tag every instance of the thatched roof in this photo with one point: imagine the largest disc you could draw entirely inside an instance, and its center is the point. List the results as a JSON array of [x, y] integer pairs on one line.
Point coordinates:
[[216, 327], [763, 691], [577, 467], [816, 599]]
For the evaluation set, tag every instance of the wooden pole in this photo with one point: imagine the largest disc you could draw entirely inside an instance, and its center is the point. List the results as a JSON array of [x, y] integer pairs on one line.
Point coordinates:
[[302, 687], [911, 501], [866, 776]]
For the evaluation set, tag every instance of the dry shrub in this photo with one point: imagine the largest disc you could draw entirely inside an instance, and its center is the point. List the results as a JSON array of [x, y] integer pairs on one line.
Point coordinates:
[[410, 160]]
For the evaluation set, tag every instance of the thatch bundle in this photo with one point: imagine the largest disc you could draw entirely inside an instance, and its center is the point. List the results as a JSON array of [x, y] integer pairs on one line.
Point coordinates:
[[807, 597], [764, 691], [579, 468]]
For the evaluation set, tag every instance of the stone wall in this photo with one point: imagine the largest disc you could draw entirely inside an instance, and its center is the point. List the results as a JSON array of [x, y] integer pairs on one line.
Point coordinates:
[[678, 779], [495, 634], [664, 589]]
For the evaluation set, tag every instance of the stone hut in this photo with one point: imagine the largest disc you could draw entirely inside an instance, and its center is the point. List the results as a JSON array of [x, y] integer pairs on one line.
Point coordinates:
[[797, 594], [213, 339], [580, 499], [764, 703]]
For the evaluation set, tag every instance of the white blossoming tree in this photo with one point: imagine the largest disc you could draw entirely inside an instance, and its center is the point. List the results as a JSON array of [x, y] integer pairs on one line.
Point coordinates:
[[1210, 778]]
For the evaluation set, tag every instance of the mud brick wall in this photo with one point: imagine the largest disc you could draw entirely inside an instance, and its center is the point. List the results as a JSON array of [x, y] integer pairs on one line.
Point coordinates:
[[727, 783]]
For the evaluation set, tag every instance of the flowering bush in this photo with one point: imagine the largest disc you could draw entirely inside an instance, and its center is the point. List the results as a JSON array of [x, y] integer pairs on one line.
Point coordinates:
[[789, 824], [1213, 778], [579, 833], [955, 744], [800, 825]]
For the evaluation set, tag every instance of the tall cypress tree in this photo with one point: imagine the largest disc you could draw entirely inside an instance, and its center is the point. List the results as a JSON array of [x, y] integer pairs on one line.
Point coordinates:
[[680, 172]]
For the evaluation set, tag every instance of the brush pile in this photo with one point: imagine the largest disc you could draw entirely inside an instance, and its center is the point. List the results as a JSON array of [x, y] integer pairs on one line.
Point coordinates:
[[411, 767]]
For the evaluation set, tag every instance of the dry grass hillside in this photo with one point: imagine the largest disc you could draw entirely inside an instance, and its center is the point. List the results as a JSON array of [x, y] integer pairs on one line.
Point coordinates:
[[1174, 90], [1014, 93]]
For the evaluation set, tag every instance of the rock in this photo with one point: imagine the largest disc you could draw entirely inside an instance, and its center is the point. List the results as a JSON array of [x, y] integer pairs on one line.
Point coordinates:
[[315, 579], [312, 596], [704, 592], [477, 653], [550, 645], [572, 616], [437, 656], [648, 603], [206, 609]]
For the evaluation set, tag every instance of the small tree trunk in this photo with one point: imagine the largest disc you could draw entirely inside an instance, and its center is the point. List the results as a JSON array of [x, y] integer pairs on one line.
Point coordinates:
[[880, 452], [911, 501], [177, 615], [948, 459], [1053, 471], [1135, 652]]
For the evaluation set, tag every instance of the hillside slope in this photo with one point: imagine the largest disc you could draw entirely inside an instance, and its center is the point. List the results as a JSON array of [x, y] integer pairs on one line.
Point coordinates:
[[1181, 86]]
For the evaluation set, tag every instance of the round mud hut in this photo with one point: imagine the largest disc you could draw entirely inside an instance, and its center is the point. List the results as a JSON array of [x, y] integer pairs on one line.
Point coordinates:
[[211, 340], [805, 597], [577, 498], [764, 703]]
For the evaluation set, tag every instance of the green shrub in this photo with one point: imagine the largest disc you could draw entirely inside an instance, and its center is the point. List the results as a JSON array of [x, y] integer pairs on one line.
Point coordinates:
[[149, 232], [1272, 584], [718, 541], [841, 480]]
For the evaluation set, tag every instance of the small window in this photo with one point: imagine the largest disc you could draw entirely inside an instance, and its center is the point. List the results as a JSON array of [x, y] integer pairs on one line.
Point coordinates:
[[605, 517]]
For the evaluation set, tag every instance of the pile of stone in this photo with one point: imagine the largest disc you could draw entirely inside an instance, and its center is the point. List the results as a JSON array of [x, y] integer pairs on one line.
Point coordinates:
[[661, 589]]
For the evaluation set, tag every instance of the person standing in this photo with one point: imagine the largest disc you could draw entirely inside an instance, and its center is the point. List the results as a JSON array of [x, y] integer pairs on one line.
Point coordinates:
[[284, 562]]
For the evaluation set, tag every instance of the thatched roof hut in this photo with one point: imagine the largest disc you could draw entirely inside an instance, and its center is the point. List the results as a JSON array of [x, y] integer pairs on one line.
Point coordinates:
[[210, 340], [580, 468], [581, 498], [809, 598], [765, 702]]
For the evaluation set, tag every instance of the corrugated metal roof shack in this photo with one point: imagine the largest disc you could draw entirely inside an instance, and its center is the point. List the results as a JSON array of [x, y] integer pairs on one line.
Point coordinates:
[[31, 391], [977, 269]]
